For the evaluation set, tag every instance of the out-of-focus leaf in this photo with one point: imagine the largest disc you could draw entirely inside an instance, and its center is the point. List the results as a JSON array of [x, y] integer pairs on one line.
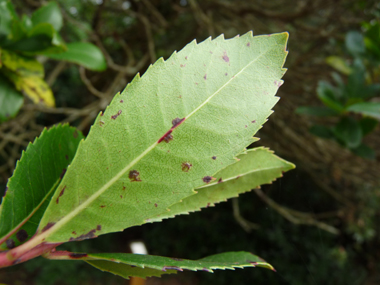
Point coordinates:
[[339, 64], [21, 65], [320, 111], [7, 14], [370, 109], [34, 87], [167, 265], [349, 132], [10, 100], [367, 125], [34, 180], [206, 100], [256, 167], [85, 54], [49, 13], [26, 23], [364, 151], [355, 43], [356, 87], [329, 96], [322, 131]]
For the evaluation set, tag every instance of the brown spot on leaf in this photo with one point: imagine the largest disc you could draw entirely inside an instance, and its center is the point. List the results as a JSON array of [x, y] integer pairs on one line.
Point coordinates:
[[208, 179], [102, 206], [67, 157], [101, 114], [166, 137], [77, 255], [60, 194], [214, 157], [155, 204], [116, 115], [225, 57], [248, 44], [10, 243], [134, 175], [48, 226], [205, 77], [226, 74], [176, 122], [74, 232], [220, 180], [208, 205], [121, 196], [62, 173], [254, 121], [123, 187], [171, 268], [98, 227], [122, 101], [101, 123], [90, 234], [75, 134], [186, 166]]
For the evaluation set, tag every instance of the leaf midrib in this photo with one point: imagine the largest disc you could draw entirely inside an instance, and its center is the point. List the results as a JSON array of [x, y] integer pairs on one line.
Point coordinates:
[[94, 196]]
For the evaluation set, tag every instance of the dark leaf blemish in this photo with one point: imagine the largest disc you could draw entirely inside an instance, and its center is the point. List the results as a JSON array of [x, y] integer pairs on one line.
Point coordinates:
[[171, 268], [77, 255], [186, 166], [101, 123], [214, 157], [225, 57], [75, 134], [74, 232], [48, 226], [60, 194], [254, 121], [63, 173], [123, 187], [10, 243], [67, 157], [121, 101], [205, 77], [226, 74], [208, 205], [207, 179], [220, 180], [166, 137], [134, 175], [176, 122], [102, 206], [90, 234], [116, 115], [248, 44], [98, 227], [101, 114], [155, 204], [121, 196]]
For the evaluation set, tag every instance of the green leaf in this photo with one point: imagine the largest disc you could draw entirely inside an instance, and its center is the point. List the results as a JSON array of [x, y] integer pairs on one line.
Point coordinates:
[[150, 265], [7, 15], [370, 109], [34, 180], [256, 167], [49, 13], [364, 151], [206, 100], [355, 43], [339, 64], [367, 125], [348, 132], [319, 111], [322, 131], [10, 100], [85, 54], [329, 96]]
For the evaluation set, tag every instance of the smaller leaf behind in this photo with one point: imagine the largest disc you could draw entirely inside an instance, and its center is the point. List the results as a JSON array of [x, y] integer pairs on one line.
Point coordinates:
[[126, 264], [255, 167], [34, 180]]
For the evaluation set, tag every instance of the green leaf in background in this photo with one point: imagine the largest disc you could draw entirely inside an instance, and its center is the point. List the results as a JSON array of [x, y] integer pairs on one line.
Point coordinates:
[[320, 111], [348, 132], [355, 43], [256, 167], [121, 263], [329, 96], [85, 54], [368, 125], [322, 131], [339, 64], [201, 107], [7, 14], [364, 151], [49, 13], [34, 180], [370, 109], [10, 100]]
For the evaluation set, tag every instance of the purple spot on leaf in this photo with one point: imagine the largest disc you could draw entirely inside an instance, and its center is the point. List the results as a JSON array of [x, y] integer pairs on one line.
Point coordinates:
[[116, 115]]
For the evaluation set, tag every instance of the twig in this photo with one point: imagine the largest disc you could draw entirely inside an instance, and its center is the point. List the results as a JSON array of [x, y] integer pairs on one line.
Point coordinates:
[[87, 82], [245, 224]]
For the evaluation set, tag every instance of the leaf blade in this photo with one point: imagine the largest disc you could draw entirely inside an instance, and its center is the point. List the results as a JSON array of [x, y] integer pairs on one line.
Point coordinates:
[[138, 167]]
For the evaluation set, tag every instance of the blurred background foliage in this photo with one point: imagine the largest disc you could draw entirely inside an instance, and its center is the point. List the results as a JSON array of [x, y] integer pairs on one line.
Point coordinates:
[[318, 224]]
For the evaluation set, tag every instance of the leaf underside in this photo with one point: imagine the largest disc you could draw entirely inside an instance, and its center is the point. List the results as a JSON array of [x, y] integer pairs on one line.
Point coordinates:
[[203, 102], [126, 265], [256, 167], [33, 183]]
